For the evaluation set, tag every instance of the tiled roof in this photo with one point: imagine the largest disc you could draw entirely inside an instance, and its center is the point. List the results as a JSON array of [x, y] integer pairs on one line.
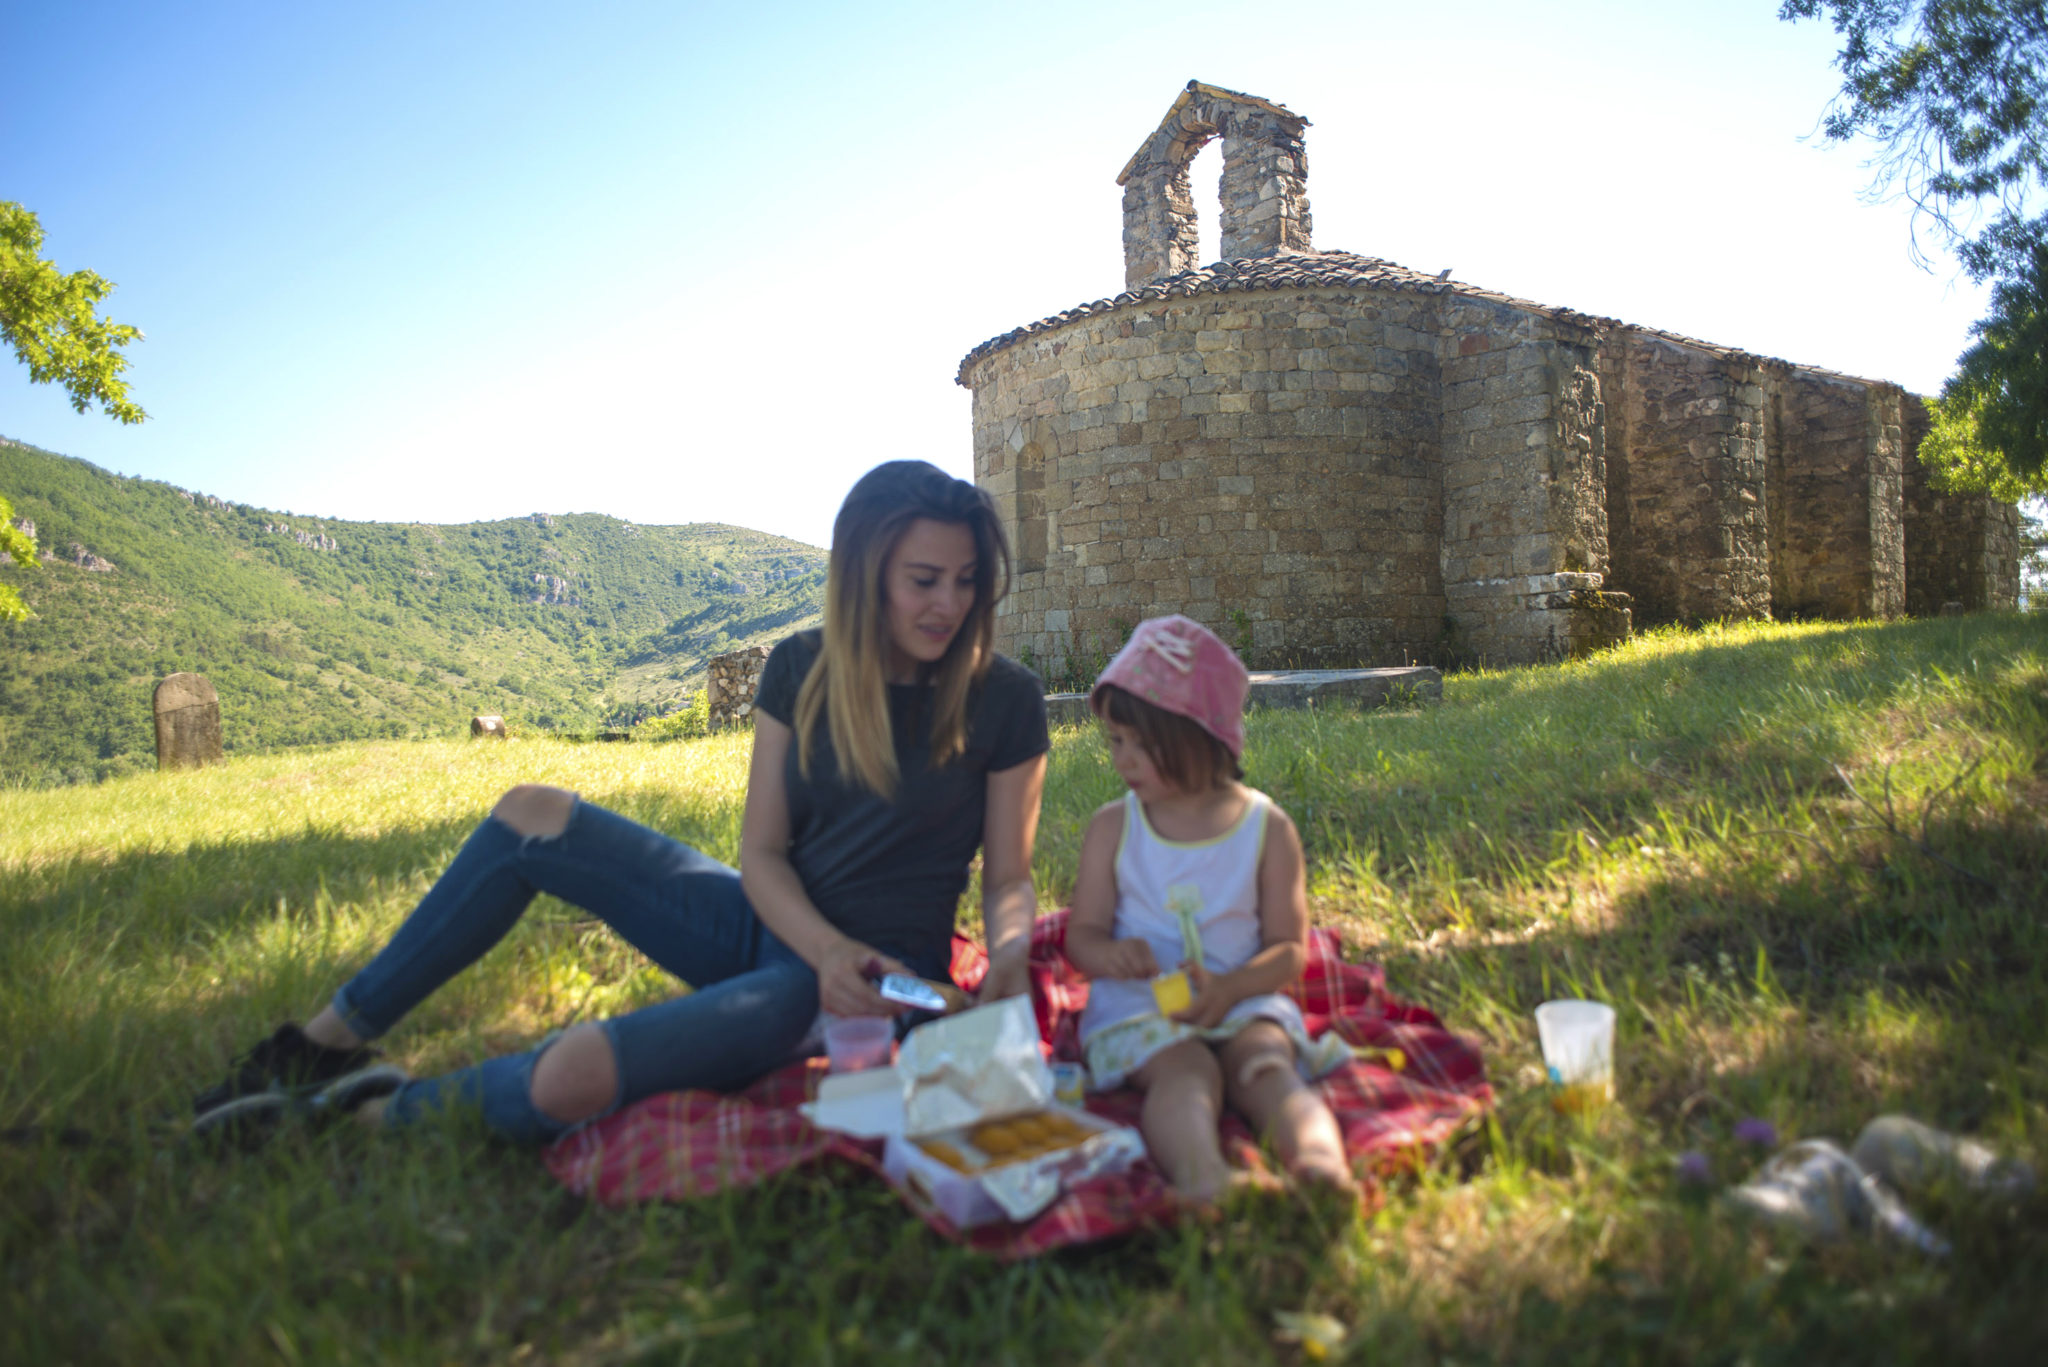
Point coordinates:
[[1328, 270], [1282, 271]]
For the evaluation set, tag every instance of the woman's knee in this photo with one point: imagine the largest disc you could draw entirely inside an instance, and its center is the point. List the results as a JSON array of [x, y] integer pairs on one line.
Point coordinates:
[[536, 810], [578, 1076]]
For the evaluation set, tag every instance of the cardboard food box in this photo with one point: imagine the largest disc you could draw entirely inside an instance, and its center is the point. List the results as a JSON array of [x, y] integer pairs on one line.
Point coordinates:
[[968, 1119], [978, 1188]]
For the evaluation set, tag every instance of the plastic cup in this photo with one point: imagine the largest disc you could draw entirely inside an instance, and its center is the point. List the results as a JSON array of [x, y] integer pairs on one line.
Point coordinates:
[[1578, 1052], [857, 1043]]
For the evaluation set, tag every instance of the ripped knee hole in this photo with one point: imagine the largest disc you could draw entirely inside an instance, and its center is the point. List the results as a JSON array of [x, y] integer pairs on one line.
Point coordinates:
[[536, 811]]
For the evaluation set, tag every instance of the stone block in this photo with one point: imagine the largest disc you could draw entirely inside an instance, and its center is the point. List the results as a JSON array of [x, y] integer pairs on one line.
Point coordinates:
[[187, 713]]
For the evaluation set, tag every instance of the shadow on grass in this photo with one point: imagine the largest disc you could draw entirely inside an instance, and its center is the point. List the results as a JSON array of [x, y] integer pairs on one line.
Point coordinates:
[[1830, 946], [131, 978], [218, 887]]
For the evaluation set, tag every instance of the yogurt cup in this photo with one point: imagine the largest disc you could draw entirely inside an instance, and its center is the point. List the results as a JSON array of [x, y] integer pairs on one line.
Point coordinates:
[[857, 1043]]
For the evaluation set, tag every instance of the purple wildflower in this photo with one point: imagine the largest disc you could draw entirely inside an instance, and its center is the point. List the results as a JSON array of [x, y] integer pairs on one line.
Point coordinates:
[[1758, 1131], [1694, 1170]]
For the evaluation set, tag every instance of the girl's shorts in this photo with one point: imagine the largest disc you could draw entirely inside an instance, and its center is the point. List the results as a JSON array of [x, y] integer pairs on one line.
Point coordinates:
[[1116, 1051]]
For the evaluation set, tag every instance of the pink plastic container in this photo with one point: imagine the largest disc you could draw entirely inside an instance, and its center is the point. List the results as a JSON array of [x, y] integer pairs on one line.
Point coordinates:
[[857, 1043]]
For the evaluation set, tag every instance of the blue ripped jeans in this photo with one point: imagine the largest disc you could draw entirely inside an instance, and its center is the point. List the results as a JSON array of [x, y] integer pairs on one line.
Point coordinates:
[[752, 1008]]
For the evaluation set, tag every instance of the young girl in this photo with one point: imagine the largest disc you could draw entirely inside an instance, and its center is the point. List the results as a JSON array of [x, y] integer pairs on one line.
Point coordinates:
[[1191, 869]]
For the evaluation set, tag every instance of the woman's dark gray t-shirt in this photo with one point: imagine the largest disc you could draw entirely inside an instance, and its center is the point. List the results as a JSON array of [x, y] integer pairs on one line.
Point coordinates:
[[890, 873]]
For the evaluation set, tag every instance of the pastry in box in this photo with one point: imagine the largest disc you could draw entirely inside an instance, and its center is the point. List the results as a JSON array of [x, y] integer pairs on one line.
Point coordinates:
[[980, 1135], [1011, 1168]]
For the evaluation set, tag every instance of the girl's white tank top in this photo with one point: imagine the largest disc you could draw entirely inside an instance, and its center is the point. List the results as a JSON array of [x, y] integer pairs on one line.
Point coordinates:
[[1156, 877]]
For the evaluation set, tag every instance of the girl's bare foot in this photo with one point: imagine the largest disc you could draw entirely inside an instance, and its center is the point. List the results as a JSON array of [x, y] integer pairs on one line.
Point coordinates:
[[1203, 1187], [1207, 1204], [1324, 1171], [1255, 1179]]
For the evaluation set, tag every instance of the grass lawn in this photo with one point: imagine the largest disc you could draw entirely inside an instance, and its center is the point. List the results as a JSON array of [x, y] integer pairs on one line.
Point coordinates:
[[1808, 864]]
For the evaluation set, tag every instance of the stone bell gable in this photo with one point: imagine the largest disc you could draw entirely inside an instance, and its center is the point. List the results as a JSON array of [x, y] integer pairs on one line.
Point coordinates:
[[1333, 460], [1264, 189]]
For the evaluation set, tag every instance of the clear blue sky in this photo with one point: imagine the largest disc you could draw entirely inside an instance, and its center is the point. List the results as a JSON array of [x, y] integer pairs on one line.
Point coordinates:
[[706, 263]]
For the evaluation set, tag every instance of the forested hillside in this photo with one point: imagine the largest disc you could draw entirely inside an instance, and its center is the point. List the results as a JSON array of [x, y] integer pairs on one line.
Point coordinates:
[[315, 629]]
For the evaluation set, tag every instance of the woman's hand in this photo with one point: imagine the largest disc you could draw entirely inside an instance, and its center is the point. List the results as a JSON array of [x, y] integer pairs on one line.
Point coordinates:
[[846, 980], [1214, 995], [1009, 975]]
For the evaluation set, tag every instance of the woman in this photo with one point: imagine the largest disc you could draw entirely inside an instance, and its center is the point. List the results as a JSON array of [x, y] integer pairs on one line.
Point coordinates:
[[887, 748]]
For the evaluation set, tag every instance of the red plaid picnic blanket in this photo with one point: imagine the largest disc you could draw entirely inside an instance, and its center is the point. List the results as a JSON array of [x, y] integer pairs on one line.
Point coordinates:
[[683, 1144]]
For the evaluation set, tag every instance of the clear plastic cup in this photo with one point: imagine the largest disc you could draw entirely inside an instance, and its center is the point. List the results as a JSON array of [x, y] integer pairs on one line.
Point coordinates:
[[857, 1043], [1578, 1052]]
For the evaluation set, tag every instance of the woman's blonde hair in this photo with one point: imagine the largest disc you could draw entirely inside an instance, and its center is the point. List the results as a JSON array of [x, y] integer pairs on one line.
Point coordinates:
[[848, 683]]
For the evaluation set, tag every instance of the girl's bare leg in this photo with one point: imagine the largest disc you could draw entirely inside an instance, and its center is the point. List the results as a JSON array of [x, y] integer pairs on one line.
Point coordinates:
[[1262, 1085], [1183, 1106]]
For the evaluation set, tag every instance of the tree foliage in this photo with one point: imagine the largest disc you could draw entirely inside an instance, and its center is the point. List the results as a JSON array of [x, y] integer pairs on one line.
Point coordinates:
[[52, 321], [2034, 556], [1956, 461], [1955, 95], [2003, 377], [20, 548], [1953, 92]]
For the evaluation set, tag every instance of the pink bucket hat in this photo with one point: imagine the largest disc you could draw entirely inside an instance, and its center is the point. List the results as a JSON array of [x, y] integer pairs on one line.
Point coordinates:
[[1180, 666]]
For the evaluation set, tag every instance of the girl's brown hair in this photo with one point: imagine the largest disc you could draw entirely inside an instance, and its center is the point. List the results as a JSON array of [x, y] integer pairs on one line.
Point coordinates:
[[1185, 755], [848, 684]]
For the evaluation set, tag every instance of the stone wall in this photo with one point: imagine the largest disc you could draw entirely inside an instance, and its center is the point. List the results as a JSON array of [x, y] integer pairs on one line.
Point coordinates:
[[1162, 235], [1264, 463], [1837, 541], [1959, 548], [1686, 474], [730, 683], [1524, 550], [1264, 188]]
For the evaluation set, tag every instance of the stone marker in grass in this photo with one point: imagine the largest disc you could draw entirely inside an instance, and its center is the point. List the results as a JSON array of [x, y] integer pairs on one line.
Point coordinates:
[[187, 722]]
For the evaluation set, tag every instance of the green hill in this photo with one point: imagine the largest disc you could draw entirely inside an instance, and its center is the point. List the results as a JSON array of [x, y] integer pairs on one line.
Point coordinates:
[[316, 629]]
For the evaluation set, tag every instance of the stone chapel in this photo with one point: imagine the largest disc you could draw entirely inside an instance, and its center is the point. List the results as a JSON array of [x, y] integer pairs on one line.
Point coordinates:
[[1335, 461]]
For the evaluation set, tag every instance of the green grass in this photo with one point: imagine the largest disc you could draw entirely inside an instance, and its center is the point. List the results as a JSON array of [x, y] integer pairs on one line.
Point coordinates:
[[1670, 827]]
